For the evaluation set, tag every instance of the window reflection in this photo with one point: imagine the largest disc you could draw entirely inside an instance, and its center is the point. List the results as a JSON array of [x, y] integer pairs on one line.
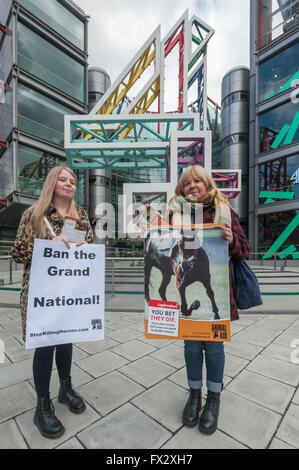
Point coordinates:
[[42, 59], [59, 18], [33, 167], [272, 123], [40, 115], [280, 175], [279, 72]]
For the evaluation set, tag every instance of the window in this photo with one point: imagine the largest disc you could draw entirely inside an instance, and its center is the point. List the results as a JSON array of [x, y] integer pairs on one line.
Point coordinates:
[[279, 127], [235, 139], [33, 167], [41, 116], [278, 73], [280, 175], [57, 17], [234, 97], [271, 226], [6, 173], [47, 62]]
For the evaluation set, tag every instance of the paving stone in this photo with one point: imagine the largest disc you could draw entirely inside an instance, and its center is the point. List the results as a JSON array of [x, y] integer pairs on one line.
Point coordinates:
[[243, 350], [72, 444], [147, 371], [110, 392], [124, 335], [277, 444], [233, 365], [253, 336], [267, 392], [276, 369], [15, 400], [247, 422], [13, 373], [94, 347], [11, 438], [164, 403], [296, 397], [102, 363], [73, 423], [125, 428], [288, 430], [171, 355], [278, 351], [133, 350], [157, 343], [16, 351], [188, 438], [288, 336]]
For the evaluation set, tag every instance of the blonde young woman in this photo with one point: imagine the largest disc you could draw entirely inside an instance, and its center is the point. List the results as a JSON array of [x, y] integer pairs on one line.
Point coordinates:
[[45, 220], [196, 186]]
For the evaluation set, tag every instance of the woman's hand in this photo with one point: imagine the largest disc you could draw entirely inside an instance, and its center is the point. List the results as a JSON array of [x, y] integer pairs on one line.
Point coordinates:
[[81, 243], [228, 234], [63, 239]]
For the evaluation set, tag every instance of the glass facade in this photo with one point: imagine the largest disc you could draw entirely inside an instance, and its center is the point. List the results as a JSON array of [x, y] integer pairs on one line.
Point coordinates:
[[41, 116], [273, 125], [271, 226], [6, 54], [6, 173], [33, 167], [6, 112], [278, 73], [47, 62], [280, 175], [57, 17]]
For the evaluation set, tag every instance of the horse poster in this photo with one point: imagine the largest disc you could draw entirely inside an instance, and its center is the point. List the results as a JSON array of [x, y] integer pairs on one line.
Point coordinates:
[[187, 283]]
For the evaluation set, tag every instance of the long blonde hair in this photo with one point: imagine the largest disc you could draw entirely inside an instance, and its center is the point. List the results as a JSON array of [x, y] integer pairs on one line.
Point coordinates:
[[198, 171], [46, 199]]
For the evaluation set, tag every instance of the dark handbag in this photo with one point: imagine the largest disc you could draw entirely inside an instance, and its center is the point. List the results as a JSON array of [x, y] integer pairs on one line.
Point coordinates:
[[245, 286]]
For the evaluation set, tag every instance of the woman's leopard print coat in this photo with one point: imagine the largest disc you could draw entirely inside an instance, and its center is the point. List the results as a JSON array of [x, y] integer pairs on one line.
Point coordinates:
[[23, 246]]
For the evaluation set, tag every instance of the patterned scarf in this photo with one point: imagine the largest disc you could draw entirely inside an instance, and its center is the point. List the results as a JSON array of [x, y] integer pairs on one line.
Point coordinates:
[[222, 209]]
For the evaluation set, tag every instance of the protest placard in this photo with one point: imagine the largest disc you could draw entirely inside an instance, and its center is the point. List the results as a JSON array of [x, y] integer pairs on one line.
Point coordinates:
[[187, 268], [66, 298]]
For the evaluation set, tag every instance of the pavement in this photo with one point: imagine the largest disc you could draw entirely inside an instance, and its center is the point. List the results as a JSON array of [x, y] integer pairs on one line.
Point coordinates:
[[135, 389]]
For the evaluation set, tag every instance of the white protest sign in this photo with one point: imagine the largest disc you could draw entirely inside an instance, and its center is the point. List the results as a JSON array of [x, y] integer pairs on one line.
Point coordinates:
[[163, 318], [66, 299]]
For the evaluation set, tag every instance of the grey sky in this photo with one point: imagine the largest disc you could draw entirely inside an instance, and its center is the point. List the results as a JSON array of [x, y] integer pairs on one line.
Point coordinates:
[[118, 28]]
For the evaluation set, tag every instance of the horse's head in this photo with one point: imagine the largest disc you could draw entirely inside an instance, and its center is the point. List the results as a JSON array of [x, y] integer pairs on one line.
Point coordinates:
[[189, 243]]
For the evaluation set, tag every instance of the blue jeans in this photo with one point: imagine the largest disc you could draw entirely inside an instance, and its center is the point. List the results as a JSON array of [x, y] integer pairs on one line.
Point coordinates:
[[215, 359]]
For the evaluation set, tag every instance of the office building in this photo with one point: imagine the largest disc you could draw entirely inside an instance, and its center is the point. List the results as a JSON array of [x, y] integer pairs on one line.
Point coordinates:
[[274, 127], [43, 76]]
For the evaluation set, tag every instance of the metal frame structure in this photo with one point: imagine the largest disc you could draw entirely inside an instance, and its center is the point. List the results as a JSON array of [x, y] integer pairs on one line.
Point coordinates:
[[141, 138]]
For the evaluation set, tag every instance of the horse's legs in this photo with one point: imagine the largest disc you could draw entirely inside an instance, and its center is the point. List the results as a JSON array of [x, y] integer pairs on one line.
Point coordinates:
[[165, 282], [147, 273], [210, 293], [184, 306]]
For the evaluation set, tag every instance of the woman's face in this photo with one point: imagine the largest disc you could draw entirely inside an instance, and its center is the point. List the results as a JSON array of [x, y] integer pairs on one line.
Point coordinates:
[[194, 186], [65, 186]]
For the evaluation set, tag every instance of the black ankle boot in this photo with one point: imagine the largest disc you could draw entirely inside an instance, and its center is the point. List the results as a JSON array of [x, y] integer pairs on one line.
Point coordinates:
[[69, 397], [191, 410], [209, 418], [46, 420]]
